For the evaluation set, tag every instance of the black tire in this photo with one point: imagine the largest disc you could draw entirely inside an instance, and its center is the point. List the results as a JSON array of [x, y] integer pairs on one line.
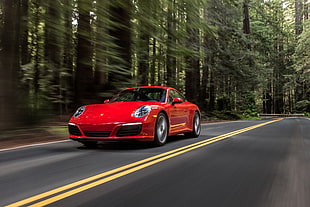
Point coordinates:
[[161, 130], [89, 144], [196, 127]]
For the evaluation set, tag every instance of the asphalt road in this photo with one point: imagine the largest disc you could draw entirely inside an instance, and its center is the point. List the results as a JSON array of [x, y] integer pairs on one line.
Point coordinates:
[[230, 164]]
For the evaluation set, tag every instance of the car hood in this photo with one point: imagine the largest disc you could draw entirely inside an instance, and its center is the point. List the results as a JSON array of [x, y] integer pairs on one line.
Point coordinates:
[[109, 112]]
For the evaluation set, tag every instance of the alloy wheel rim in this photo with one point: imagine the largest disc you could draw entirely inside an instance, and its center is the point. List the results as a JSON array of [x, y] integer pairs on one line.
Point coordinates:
[[197, 124], [162, 129]]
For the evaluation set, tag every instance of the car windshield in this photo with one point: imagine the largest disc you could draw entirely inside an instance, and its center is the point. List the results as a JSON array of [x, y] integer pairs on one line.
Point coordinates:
[[141, 94]]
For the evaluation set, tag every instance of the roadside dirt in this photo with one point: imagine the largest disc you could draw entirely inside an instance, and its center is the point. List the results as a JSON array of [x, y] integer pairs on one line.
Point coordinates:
[[34, 135], [26, 140]]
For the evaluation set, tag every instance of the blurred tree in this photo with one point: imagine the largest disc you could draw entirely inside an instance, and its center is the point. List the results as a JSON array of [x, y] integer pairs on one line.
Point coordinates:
[[24, 50], [53, 54], [9, 63], [171, 43], [101, 43], [34, 72], [192, 81], [306, 9], [120, 76], [144, 28], [298, 16], [84, 75], [66, 75]]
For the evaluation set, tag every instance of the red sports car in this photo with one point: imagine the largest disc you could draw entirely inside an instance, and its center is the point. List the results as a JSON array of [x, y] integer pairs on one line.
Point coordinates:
[[149, 113]]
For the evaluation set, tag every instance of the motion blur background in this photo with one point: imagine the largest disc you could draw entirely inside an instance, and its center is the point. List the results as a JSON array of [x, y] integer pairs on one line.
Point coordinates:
[[234, 59]]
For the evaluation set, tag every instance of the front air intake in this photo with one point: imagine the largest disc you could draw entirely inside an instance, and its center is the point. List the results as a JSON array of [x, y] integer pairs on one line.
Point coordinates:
[[129, 130], [74, 130]]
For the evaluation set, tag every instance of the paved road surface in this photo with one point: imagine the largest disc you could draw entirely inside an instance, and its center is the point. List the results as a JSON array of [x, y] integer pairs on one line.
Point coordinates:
[[265, 165]]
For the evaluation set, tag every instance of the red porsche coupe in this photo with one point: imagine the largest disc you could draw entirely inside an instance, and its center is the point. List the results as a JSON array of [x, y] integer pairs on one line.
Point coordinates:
[[149, 113]]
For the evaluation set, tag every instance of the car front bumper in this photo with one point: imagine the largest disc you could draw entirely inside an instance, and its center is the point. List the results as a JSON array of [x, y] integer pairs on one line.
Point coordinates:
[[112, 131]]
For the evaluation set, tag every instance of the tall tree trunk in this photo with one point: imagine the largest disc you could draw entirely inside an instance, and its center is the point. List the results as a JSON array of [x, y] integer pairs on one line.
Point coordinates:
[[212, 92], [143, 59], [160, 67], [53, 34], [9, 64], [67, 80], [306, 9], [298, 16], [246, 20], [153, 64], [101, 74], [53, 52], [170, 58], [192, 81], [120, 12], [84, 71], [206, 88], [247, 29], [203, 95], [68, 45], [36, 38], [143, 42], [24, 51]]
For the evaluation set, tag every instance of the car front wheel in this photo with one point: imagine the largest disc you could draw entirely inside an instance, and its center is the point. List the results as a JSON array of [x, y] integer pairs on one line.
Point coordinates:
[[161, 130]]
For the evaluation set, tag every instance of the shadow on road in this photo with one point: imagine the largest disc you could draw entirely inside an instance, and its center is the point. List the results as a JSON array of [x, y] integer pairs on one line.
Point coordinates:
[[129, 145]]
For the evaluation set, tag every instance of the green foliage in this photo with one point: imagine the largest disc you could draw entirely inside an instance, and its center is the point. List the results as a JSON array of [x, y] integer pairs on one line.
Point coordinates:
[[250, 108], [249, 114], [303, 49], [303, 106], [224, 115]]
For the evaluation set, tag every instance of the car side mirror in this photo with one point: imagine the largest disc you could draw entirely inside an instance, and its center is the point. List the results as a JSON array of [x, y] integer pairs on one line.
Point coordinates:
[[177, 100], [106, 101]]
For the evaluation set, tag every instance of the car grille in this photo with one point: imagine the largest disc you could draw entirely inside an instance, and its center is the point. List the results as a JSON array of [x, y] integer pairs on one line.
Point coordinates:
[[74, 130], [129, 130], [97, 133]]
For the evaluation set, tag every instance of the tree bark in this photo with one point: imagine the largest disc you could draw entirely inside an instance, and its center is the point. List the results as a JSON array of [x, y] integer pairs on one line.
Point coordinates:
[[120, 13], [143, 59], [9, 65], [53, 53], [212, 92], [246, 20], [298, 16], [153, 63], [84, 71], [24, 51], [306, 9], [170, 57], [192, 80], [67, 80]]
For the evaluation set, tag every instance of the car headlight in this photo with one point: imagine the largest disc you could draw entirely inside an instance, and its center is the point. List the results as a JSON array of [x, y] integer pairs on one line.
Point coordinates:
[[79, 111], [142, 111]]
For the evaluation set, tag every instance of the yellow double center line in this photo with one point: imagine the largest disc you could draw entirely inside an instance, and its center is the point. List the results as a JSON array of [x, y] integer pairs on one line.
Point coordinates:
[[57, 194]]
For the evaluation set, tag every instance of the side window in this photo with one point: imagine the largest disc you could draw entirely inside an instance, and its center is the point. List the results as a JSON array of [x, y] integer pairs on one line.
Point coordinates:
[[174, 94]]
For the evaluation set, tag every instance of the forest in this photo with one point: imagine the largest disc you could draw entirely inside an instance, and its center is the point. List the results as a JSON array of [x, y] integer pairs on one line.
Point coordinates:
[[233, 58]]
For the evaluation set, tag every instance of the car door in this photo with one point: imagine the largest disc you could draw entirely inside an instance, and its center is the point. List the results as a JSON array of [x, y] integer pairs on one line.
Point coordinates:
[[178, 112]]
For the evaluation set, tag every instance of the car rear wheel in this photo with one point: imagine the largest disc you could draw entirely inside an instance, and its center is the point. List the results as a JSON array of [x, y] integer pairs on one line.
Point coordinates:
[[161, 130], [196, 127]]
